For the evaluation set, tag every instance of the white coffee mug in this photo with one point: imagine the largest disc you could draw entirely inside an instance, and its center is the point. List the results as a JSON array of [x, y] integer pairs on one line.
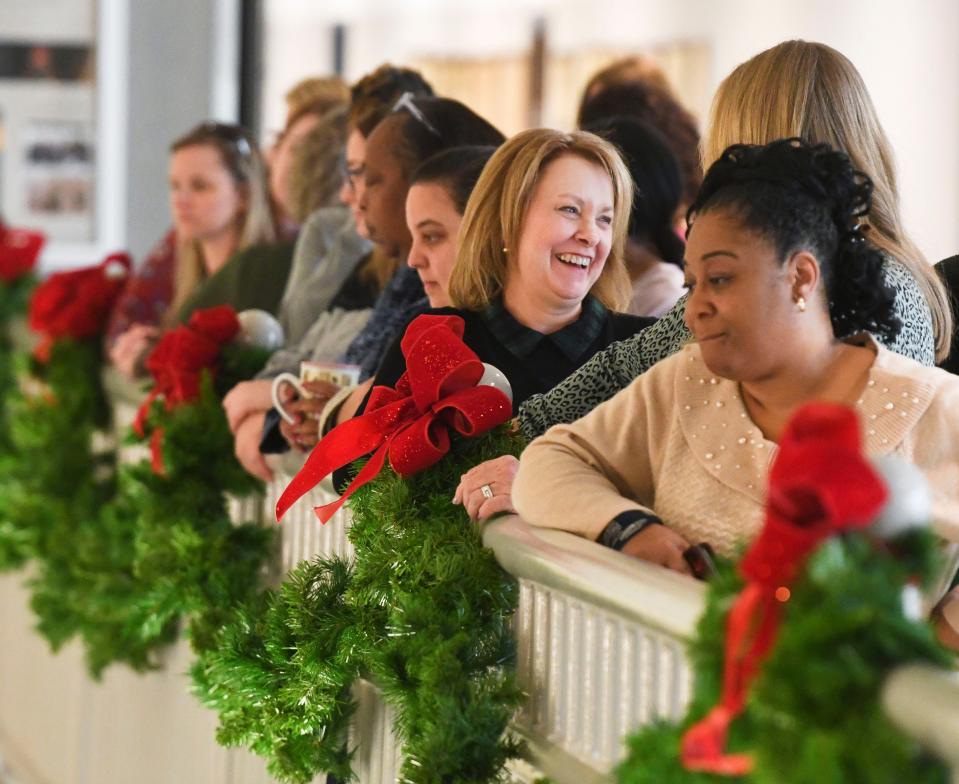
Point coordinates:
[[335, 372], [293, 381]]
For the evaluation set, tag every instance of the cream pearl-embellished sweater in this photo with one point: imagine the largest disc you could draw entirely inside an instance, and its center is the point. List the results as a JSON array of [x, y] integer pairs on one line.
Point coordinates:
[[679, 442]]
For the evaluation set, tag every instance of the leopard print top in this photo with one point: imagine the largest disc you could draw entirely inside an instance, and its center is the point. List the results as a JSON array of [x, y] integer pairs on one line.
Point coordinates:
[[614, 368]]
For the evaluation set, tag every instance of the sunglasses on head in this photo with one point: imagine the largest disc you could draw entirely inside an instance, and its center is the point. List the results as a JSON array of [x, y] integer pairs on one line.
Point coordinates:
[[231, 134], [406, 102]]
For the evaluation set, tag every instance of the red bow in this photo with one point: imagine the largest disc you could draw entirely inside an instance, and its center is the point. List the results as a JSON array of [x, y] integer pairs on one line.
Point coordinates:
[[77, 304], [19, 250], [177, 363], [819, 486], [410, 423]]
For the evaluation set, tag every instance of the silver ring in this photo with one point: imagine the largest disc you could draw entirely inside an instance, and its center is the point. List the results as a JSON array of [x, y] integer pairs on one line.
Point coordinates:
[[487, 491]]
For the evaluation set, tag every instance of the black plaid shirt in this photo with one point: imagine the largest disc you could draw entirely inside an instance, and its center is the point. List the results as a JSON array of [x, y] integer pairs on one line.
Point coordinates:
[[521, 341]]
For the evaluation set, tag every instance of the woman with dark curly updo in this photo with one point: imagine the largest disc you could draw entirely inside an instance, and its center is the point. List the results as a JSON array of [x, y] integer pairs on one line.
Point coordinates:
[[796, 88], [776, 266]]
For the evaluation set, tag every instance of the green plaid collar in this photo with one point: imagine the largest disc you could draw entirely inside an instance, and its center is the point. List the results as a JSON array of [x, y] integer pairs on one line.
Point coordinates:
[[521, 341]]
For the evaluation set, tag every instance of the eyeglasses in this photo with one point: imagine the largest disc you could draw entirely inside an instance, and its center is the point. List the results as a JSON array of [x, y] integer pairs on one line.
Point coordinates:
[[406, 102], [351, 173]]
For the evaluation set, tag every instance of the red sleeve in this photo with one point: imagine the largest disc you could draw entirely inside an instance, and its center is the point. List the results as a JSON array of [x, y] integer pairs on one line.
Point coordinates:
[[148, 292]]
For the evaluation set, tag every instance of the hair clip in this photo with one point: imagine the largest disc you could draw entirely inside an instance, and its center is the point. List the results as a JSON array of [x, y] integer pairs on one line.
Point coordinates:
[[855, 235]]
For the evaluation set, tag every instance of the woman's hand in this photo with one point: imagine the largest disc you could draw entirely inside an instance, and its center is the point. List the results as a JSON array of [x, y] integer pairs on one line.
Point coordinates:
[[131, 347], [246, 398], [304, 433], [497, 475], [246, 446], [661, 545]]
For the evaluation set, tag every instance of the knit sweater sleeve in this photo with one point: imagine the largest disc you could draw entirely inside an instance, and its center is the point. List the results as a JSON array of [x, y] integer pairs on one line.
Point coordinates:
[[605, 374], [578, 477], [327, 252], [916, 339]]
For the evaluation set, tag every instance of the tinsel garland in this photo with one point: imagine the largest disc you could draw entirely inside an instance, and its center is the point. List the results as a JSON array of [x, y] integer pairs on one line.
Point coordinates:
[[813, 716], [424, 611]]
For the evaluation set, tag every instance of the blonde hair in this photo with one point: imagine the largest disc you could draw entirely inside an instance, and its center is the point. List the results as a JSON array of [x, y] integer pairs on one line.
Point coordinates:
[[315, 95], [240, 157], [497, 209], [810, 90], [316, 173]]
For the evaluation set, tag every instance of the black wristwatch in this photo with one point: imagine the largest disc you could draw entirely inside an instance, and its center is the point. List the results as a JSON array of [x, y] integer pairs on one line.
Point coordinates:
[[625, 526]]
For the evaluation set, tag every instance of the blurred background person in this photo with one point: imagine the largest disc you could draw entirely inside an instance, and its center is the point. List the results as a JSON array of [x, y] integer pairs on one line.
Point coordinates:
[[654, 251], [219, 202]]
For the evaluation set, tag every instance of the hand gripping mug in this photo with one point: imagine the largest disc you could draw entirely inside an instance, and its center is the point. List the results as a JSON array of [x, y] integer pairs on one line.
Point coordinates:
[[334, 372]]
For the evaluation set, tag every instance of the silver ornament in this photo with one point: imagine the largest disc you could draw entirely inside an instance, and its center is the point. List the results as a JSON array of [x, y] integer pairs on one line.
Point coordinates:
[[909, 504], [261, 329], [912, 603], [114, 270], [493, 377]]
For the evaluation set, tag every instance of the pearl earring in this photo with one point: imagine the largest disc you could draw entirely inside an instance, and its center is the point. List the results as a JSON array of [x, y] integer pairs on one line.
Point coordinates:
[[801, 304]]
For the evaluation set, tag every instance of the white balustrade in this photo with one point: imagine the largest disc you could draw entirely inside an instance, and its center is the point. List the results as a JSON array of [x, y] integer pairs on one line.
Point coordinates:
[[599, 639], [600, 652], [378, 754], [600, 646], [302, 535]]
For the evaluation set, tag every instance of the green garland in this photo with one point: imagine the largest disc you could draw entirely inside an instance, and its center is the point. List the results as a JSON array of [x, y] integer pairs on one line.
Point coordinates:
[[52, 486], [120, 561], [813, 715], [280, 676], [443, 649], [119, 558], [14, 296], [424, 611], [190, 560], [176, 554]]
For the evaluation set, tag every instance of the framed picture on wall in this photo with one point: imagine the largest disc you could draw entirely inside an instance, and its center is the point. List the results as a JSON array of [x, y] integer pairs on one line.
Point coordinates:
[[63, 141]]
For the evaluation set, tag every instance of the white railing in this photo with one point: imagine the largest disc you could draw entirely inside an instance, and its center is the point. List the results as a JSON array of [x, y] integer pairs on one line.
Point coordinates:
[[600, 646], [600, 642]]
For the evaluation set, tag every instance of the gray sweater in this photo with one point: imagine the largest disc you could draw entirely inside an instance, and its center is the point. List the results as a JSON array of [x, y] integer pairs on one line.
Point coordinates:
[[327, 252]]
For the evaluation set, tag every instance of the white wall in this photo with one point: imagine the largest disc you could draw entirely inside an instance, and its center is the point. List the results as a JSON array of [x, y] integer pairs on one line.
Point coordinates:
[[47, 21], [182, 71], [906, 52]]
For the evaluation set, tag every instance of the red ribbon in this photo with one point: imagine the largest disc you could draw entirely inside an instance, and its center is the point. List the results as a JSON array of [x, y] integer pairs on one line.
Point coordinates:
[[819, 485], [77, 304], [409, 424], [19, 251], [177, 363]]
